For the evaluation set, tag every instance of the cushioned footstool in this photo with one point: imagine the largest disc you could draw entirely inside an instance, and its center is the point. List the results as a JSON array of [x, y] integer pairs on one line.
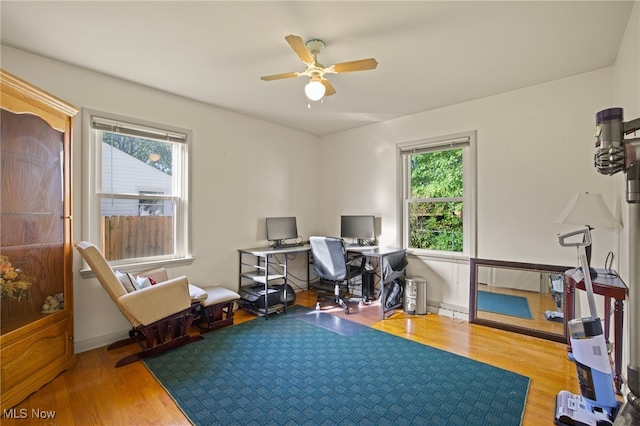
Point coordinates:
[[217, 308]]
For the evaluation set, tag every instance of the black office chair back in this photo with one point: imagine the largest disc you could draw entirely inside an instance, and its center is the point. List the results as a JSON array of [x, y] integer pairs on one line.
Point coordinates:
[[329, 258]]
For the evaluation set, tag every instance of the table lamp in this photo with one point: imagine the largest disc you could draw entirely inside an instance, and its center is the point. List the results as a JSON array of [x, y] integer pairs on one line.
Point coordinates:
[[589, 210]]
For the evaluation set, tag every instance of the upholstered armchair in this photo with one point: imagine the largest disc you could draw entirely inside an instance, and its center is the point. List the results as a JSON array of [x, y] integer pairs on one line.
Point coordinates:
[[160, 315], [216, 303]]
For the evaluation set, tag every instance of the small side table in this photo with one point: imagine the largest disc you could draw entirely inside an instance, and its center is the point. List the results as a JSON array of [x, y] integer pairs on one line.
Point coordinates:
[[609, 285]]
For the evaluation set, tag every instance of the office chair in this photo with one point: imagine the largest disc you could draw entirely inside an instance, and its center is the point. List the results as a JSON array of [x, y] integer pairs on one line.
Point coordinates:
[[394, 270], [335, 270], [556, 284]]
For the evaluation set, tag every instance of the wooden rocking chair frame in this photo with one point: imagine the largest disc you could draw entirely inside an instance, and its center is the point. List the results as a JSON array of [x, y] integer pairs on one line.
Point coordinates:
[[152, 338]]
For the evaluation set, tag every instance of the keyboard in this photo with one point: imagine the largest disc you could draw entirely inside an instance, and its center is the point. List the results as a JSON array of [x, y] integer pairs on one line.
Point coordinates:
[[288, 245]]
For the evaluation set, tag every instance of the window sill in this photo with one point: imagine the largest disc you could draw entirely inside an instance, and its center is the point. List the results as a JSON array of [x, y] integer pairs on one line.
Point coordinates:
[[444, 256], [142, 266]]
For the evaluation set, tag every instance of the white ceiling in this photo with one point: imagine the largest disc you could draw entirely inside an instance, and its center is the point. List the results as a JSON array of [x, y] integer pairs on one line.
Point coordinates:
[[430, 53]]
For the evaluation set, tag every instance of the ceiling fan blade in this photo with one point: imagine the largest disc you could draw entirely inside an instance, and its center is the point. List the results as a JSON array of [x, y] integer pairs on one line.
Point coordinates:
[[360, 65], [329, 88], [279, 76], [298, 45]]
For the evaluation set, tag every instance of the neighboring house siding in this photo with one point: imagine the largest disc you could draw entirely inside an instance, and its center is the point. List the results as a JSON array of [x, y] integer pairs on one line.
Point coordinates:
[[122, 173]]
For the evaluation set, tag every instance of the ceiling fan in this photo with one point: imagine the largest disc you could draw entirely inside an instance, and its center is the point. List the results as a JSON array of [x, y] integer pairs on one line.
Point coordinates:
[[318, 85]]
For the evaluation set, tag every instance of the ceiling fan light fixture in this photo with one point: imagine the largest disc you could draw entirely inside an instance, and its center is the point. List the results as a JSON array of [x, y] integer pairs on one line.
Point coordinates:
[[318, 86], [314, 90]]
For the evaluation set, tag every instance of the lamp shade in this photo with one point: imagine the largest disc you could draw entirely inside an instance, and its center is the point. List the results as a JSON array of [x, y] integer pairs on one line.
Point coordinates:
[[314, 90], [588, 209]]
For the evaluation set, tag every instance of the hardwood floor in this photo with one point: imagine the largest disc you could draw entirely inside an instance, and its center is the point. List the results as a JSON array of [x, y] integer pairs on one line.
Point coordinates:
[[93, 392]]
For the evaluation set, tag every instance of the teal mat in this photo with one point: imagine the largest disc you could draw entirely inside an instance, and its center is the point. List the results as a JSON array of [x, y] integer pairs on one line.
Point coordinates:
[[505, 304], [289, 372]]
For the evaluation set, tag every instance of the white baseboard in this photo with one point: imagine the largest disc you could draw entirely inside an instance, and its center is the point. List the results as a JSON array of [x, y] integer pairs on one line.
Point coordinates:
[[99, 341], [445, 309]]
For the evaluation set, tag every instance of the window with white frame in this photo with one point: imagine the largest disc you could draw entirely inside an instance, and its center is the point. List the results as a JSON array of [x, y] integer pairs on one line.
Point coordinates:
[[135, 204], [438, 195]]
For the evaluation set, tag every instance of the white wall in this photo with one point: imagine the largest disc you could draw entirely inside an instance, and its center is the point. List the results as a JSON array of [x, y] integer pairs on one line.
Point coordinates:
[[243, 170], [534, 149]]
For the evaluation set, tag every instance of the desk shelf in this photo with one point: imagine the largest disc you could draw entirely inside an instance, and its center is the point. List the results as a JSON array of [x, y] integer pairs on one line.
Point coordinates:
[[261, 277], [257, 268], [260, 312]]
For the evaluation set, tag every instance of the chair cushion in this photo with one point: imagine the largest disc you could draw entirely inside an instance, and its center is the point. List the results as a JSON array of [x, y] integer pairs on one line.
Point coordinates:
[[143, 282], [217, 295], [158, 275], [127, 281], [156, 302], [197, 294]]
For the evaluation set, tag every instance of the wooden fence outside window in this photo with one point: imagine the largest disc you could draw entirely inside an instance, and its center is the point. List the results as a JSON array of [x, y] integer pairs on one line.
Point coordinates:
[[127, 237]]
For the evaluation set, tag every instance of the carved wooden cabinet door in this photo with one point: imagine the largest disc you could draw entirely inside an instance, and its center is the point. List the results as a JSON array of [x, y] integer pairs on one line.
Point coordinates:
[[36, 332]]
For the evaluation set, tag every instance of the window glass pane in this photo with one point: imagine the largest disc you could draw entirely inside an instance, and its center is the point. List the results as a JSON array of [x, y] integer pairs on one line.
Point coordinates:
[[436, 226], [128, 234], [151, 207], [131, 164], [437, 174]]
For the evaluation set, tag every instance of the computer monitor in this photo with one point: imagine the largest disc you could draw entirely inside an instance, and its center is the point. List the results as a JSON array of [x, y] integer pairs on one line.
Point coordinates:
[[280, 229], [361, 228]]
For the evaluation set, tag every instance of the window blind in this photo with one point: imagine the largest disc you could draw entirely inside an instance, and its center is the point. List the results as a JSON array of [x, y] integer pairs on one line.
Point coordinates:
[[105, 124], [425, 147]]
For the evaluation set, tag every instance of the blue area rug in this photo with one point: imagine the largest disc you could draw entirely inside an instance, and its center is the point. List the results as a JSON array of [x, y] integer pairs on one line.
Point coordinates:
[[505, 304], [290, 372]]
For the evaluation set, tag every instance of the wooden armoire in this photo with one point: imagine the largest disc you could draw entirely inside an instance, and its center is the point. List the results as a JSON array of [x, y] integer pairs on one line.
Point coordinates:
[[35, 239]]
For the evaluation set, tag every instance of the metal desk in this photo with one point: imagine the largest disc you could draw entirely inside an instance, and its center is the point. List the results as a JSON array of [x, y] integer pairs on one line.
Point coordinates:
[[263, 254], [263, 271], [379, 253]]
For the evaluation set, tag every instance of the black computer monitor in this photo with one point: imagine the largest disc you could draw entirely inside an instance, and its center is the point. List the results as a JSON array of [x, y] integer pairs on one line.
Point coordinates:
[[280, 229], [361, 228]]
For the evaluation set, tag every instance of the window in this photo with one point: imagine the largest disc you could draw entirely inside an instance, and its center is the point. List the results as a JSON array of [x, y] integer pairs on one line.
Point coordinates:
[[438, 195], [135, 204]]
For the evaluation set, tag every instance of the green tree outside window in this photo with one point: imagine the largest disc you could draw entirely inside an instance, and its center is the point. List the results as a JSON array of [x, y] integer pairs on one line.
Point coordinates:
[[435, 205]]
